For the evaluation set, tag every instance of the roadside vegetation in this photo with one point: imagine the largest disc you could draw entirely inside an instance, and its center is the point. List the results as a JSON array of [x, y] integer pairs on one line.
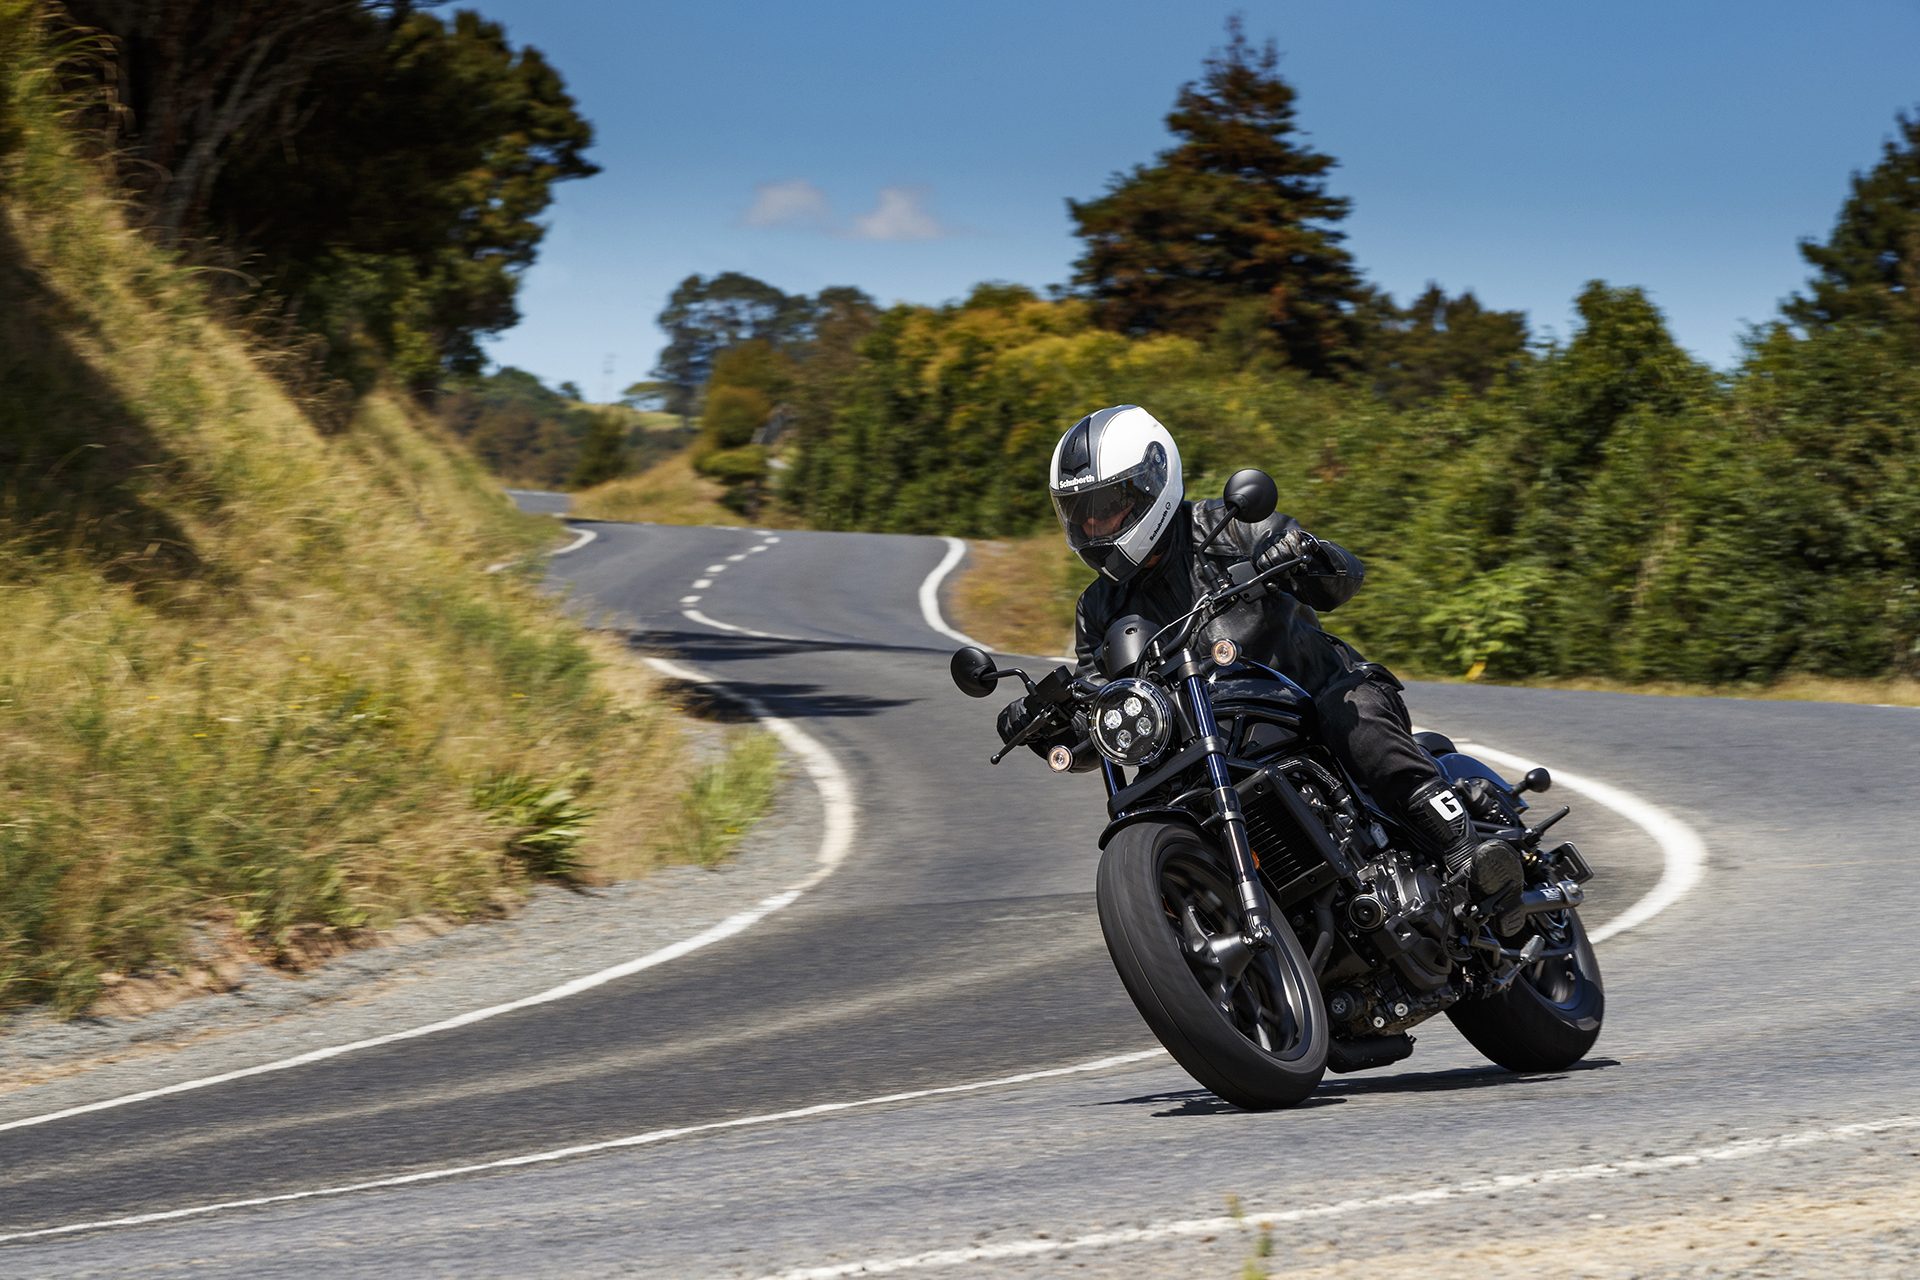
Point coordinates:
[[1602, 509], [253, 679]]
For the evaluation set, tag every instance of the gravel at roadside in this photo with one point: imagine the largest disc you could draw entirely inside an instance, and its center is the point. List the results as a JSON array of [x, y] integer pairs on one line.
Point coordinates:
[[560, 934]]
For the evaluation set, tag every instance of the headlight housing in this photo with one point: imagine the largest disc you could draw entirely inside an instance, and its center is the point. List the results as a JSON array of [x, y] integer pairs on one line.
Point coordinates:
[[1132, 722]]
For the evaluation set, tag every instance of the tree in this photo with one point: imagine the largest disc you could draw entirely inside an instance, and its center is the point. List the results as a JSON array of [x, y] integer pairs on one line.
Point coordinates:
[[523, 432], [1869, 268], [384, 170], [703, 317], [603, 453], [204, 81], [1234, 223], [1412, 352]]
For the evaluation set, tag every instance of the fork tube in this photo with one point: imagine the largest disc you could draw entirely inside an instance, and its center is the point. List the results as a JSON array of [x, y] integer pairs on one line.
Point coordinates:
[[1233, 820]]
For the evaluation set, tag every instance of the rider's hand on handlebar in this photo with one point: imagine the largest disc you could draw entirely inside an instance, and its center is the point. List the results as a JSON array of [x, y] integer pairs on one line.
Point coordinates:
[[1295, 544]]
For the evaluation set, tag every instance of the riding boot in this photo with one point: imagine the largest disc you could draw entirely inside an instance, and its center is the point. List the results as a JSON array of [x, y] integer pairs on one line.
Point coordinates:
[[1437, 816]]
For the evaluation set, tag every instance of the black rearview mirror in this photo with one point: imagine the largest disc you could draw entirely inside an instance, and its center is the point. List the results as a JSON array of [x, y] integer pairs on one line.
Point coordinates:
[[973, 671], [1250, 495]]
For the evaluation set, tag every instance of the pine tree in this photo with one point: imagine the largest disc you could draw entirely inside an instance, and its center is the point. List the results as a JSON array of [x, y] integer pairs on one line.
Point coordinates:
[[1232, 225], [1415, 351], [1869, 269]]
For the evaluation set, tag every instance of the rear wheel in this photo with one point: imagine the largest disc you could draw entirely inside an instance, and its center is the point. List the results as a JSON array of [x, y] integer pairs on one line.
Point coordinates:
[[1249, 1025], [1550, 1017]]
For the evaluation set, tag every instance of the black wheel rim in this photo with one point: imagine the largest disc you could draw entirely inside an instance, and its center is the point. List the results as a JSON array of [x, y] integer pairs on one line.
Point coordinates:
[[1260, 993], [1559, 980]]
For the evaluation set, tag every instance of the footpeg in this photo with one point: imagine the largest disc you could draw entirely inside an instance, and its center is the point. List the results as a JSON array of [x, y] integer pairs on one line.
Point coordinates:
[[1557, 896]]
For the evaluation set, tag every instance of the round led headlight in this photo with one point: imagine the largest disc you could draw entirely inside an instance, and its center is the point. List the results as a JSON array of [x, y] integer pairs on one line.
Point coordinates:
[[1132, 722]]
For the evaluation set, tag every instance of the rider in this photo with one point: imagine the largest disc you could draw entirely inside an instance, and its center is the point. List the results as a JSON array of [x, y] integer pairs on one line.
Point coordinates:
[[1116, 487]]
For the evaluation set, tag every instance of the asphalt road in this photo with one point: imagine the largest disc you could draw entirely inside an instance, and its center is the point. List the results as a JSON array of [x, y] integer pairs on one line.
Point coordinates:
[[958, 944]]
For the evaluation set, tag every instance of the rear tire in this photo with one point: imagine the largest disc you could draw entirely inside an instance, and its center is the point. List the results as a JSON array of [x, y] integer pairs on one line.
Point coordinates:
[[1156, 883], [1551, 1015]]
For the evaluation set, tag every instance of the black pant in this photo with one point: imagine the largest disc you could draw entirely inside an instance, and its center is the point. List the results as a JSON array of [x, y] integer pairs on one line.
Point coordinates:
[[1364, 720]]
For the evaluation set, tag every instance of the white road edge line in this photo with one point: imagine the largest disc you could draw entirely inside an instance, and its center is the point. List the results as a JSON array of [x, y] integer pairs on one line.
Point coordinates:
[[930, 593], [836, 838], [590, 1148], [1500, 1184], [694, 615], [1684, 853], [586, 536]]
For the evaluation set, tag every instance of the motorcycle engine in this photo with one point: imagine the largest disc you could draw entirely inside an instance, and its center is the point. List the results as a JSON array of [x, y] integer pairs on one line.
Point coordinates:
[[1402, 911]]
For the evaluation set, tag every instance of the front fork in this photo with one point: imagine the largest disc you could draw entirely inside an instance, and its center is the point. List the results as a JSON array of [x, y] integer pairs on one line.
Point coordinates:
[[1233, 819]]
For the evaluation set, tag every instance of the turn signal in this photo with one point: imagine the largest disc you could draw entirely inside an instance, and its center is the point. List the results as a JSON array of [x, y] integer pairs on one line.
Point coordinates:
[[1060, 759], [1225, 653]]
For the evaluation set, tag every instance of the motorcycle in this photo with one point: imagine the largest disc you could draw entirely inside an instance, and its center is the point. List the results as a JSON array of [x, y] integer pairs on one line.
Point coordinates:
[[1268, 919]]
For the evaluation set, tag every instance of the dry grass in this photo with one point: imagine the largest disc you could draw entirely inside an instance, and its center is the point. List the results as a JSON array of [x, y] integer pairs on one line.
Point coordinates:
[[1017, 596], [250, 670], [668, 492]]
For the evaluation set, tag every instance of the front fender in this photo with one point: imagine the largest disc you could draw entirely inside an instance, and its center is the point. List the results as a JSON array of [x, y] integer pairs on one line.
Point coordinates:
[[1157, 813]]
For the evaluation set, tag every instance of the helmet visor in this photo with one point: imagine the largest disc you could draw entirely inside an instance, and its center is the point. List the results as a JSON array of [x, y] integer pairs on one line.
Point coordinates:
[[1106, 512]]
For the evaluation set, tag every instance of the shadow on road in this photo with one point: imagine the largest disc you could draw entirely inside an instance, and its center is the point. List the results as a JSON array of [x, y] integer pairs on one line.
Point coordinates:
[[712, 646], [796, 701], [1202, 1102]]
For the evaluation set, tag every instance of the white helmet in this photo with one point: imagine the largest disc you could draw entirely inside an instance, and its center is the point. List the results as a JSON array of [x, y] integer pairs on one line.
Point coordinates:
[[1115, 482]]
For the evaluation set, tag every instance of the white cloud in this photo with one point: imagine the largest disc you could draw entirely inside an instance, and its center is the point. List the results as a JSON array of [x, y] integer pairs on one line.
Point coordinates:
[[901, 214], [786, 204]]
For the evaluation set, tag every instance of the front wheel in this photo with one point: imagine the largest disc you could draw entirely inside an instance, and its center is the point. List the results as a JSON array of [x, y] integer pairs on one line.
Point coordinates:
[[1249, 1025], [1550, 1016]]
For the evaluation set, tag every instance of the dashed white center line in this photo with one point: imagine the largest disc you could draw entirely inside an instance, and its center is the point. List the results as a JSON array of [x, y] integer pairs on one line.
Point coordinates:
[[701, 584], [716, 568], [757, 548], [689, 599], [736, 559]]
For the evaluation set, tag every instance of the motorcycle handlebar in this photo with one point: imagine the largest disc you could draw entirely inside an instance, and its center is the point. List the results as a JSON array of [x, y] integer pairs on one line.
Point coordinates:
[[1214, 599]]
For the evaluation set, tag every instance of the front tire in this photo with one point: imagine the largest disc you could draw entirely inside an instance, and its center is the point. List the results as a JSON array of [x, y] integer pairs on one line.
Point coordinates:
[[1257, 1036], [1551, 1015]]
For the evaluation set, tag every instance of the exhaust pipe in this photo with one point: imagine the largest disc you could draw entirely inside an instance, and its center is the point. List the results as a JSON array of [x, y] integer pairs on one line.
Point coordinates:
[[1557, 896]]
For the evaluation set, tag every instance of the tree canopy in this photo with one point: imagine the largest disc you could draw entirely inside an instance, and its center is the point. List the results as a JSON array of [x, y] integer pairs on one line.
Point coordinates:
[[1412, 353], [381, 169], [704, 317], [1869, 268], [1232, 225]]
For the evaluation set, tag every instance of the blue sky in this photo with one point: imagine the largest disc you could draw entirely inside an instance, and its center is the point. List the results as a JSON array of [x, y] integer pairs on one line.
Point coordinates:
[[916, 149]]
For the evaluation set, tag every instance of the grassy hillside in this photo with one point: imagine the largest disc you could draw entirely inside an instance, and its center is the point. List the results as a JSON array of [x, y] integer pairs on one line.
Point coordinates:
[[252, 673]]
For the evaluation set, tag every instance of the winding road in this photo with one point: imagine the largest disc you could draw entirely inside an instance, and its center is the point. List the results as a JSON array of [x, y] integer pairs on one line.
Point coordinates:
[[921, 1060]]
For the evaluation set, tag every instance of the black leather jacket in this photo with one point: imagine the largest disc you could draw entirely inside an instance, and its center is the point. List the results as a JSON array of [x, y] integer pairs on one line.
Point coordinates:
[[1282, 629]]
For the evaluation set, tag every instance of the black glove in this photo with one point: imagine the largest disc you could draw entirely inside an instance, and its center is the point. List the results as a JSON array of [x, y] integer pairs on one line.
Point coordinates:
[[1013, 718], [1294, 543]]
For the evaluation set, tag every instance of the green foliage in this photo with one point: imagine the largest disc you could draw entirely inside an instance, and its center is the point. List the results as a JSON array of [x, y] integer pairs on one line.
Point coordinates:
[[733, 414], [1610, 508], [603, 453], [1232, 227], [1414, 353], [755, 364], [705, 317], [382, 169], [523, 432], [545, 818], [727, 795], [744, 465], [1868, 271]]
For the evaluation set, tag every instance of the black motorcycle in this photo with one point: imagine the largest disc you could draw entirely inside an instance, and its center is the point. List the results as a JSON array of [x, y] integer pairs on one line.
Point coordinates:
[[1236, 835]]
